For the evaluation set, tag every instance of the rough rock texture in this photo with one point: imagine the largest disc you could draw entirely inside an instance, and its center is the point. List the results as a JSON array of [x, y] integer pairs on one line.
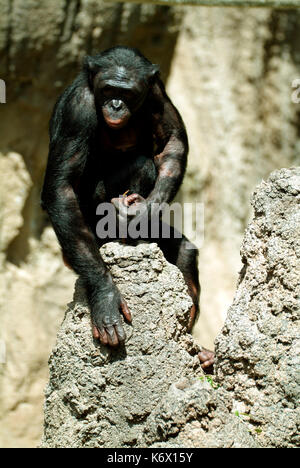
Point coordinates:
[[152, 393], [30, 305], [227, 3], [101, 397], [258, 351]]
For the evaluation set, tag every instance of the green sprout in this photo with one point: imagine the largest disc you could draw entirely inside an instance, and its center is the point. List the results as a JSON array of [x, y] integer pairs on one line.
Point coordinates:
[[210, 380]]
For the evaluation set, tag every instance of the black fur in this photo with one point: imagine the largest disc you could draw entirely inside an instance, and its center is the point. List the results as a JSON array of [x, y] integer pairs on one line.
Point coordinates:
[[89, 163]]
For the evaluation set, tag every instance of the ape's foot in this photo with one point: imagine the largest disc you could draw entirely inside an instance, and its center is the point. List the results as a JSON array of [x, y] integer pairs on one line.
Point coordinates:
[[207, 359]]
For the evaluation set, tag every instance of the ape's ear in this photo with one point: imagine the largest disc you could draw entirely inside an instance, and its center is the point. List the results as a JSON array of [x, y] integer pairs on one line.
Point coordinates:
[[91, 67], [154, 71]]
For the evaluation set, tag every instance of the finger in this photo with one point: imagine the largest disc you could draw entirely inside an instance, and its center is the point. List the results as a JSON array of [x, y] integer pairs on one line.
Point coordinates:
[[103, 338], [112, 336], [132, 199], [96, 333], [125, 311], [119, 204], [115, 201], [207, 364], [122, 210], [120, 333]]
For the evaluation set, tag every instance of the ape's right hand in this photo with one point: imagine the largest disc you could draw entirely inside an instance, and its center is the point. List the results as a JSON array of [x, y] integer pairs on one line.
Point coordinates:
[[128, 206], [106, 319]]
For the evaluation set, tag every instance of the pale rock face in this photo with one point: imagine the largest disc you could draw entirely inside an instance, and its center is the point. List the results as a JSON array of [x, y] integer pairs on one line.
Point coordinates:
[[258, 351], [14, 189], [113, 392], [231, 78]]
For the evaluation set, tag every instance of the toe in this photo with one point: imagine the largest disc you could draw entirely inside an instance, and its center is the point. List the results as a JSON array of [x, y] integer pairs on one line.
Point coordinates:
[[207, 359]]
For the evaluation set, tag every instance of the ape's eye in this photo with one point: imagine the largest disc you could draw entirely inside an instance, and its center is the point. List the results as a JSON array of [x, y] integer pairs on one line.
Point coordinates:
[[129, 95], [107, 91]]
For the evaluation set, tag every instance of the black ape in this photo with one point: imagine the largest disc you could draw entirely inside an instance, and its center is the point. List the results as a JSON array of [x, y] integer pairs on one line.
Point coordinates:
[[113, 130]]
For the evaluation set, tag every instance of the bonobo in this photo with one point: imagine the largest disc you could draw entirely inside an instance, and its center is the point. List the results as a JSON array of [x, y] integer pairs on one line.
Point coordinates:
[[114, 130]]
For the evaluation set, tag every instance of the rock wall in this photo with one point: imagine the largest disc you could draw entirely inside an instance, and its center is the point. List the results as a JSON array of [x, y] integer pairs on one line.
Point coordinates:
[[258, 351], [151, 392], [231, 79]]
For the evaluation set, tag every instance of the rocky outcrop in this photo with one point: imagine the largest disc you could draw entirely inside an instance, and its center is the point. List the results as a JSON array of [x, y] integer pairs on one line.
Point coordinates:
[[99, 397], [258, 351], [152, 392]]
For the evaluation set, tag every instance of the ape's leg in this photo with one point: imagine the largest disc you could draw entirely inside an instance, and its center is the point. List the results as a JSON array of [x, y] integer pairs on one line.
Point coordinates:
[[184, 255], [178, 252]]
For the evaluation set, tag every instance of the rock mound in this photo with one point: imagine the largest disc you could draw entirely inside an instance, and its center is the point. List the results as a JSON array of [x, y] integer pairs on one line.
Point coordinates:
[[258, 351], [152, 392]]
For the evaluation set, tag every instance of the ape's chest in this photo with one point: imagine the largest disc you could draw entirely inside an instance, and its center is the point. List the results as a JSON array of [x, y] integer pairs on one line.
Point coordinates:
[[125, 139]]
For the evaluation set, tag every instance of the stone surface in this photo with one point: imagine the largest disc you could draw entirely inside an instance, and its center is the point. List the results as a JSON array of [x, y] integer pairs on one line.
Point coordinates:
[[98, 397], [225, 3], [258, 351], [152, 393]]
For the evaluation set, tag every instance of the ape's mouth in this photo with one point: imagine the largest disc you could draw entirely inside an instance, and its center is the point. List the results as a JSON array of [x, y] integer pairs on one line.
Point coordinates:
[[115, 120], [119, 123]]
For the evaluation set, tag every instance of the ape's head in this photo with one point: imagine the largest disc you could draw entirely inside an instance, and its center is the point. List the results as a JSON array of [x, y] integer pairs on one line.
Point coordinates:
[[120, 78]]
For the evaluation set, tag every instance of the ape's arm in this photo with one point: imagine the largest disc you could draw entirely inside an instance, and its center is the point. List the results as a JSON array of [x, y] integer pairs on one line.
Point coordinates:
[[70, 130], [172, 143], [72, 126], [170, 159]]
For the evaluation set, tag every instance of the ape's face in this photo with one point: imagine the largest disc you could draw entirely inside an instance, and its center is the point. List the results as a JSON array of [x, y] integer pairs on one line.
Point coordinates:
[[120, 93]]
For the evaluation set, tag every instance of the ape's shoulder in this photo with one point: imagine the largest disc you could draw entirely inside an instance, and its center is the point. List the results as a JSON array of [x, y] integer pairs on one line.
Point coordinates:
[[74, 110]]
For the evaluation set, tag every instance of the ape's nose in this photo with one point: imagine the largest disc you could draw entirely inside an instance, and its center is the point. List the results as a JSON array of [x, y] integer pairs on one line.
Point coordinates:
[[117, 104]]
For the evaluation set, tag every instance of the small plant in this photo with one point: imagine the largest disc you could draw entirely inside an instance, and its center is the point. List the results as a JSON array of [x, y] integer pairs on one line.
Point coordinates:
[[238, 414], [210, 380], [246, 417]]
